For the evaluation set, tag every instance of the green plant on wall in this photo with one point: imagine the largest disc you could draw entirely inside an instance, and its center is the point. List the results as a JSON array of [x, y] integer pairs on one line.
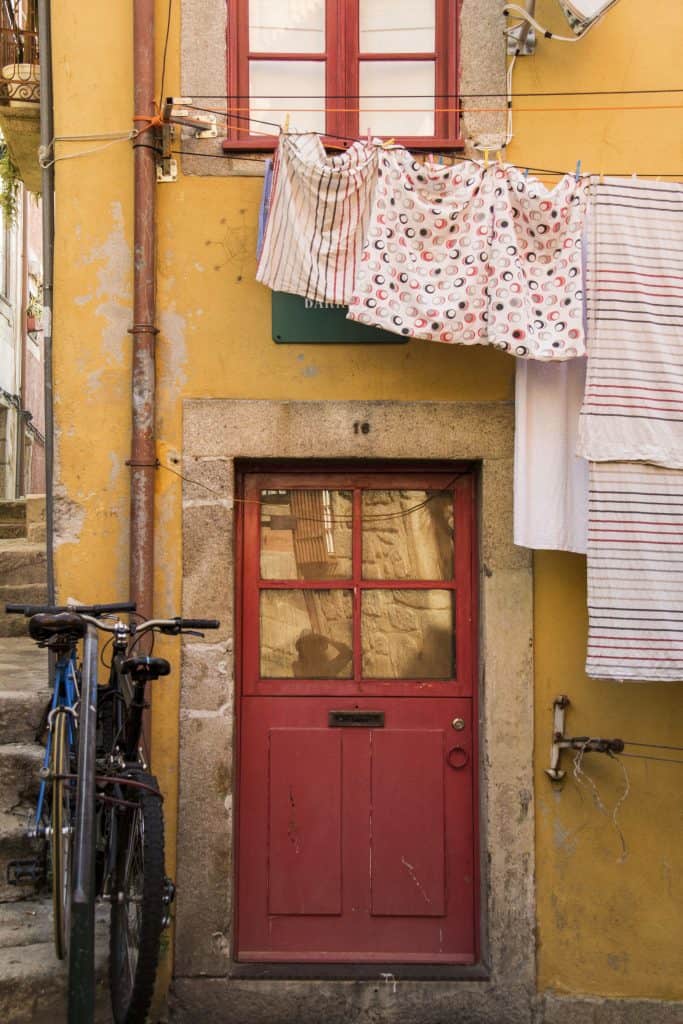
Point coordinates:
[[9, 185]]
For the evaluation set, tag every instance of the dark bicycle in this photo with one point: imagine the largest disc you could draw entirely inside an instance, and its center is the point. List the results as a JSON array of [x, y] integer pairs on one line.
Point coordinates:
[[115, 825]]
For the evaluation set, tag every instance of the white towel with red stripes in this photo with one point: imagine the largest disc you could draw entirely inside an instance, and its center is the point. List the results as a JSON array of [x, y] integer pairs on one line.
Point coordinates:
[[633, 405], [635, 572], [319, 213]]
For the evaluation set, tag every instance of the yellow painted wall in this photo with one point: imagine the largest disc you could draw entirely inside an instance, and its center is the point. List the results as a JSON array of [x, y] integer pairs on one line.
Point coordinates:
[[607, 924]]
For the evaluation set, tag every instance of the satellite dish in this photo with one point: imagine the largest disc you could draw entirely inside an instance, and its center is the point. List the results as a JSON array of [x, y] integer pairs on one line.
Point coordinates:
[[582, 14]]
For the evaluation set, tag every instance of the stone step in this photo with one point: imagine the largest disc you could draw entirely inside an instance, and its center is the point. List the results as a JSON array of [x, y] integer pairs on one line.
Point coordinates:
[[15, 845], [27, 593], [13, 511], [22, 562], [9, 531], [20, 764], [33, 982], [20, 714], [35, 518]]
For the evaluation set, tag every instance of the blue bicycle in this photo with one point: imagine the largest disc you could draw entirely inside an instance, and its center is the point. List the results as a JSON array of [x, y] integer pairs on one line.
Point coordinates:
[[56, 806]]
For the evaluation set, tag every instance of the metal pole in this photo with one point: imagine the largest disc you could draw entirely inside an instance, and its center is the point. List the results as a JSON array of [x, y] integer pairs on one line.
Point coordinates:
[[48, 212], [82, 944], [144, 331]]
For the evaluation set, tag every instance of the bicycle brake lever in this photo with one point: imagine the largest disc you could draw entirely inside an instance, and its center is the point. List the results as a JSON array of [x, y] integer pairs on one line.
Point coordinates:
[[192, 632]]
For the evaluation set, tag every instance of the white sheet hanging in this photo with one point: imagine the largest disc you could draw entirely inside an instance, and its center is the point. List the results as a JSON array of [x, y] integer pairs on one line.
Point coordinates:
[[319, 212], [550, 481]]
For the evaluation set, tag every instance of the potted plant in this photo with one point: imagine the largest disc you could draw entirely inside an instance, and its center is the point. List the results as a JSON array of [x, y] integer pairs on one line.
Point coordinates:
[[34, 309]]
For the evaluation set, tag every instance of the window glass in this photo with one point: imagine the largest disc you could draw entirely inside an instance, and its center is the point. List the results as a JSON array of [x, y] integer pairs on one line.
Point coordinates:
[[407, 634], [306, 634], [287, 26], [305, 534], [396, 26], [270, 79], [386, 86], [407, 535]]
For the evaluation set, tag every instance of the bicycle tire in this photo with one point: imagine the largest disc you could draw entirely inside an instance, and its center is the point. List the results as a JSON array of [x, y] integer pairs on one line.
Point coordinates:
[[137, 907], [61, 834]]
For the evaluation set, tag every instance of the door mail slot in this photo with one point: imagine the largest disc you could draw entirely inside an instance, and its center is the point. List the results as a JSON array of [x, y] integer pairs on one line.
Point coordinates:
[[356, 719]]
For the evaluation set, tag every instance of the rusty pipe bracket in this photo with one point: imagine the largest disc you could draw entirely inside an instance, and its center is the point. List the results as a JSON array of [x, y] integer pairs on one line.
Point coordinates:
[[142, 464], [596, 745]]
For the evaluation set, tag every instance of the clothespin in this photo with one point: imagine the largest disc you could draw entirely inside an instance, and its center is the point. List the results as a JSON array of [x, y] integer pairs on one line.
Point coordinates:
[[430, 158], [634, 176], [526, 173], [486, 159], [499, 156], [440, 159], [369, 135], [602, 177], [578, 171], [285, 126], [387, 143]]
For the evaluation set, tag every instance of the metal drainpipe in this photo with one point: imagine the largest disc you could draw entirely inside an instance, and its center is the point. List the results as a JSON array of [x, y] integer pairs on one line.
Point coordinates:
[[48, 225], [143, 455], [23, 347]]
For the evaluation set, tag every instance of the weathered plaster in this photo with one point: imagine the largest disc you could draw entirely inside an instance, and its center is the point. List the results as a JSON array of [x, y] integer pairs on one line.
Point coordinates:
[[203, 64], [216, 433]]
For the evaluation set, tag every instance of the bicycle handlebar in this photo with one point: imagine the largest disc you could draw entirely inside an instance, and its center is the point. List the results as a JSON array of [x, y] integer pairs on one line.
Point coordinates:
[[81, 609]]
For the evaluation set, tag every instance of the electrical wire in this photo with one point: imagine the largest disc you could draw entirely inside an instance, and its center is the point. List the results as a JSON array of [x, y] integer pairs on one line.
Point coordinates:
[[655, 746], [649, 757], [163, 63], [442, 95], [338, 520]]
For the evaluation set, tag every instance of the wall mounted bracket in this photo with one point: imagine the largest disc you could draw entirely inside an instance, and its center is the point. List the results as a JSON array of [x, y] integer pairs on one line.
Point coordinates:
[[561, 742]]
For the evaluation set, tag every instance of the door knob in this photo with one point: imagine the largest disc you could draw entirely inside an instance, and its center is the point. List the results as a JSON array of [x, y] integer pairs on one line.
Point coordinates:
[[458, 724]]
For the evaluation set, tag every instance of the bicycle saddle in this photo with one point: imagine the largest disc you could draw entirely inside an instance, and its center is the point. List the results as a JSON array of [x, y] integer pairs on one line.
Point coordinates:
[[45, 625], [141, 668]]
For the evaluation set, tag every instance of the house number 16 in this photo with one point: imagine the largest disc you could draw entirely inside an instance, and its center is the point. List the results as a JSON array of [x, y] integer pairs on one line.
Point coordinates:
[[361, 428]]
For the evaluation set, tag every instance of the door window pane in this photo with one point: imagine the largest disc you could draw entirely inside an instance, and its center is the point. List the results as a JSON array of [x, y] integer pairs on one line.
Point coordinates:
[[305, 535], [407, 634], [384, 86], [306, 634], [396, 26], [407, 535], [287, 26], [271, 79]]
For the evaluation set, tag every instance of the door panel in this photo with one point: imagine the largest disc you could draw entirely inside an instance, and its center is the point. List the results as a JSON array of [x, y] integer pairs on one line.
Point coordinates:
[[407, 847], [387, 873], [304, 837]]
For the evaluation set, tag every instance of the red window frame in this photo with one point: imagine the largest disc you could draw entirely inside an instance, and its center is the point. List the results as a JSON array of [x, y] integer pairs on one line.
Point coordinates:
[[343, 59], [457, 480]]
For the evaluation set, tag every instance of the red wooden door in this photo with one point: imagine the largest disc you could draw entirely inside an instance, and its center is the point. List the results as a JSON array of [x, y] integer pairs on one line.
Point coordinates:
[[356, 809]]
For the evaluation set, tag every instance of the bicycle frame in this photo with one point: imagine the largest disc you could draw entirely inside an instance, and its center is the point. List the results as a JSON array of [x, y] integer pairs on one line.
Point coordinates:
[[65, 695]]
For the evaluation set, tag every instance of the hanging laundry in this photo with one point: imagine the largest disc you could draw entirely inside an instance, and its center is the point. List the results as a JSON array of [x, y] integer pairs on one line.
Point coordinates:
[[474, 255], [633, 406], [320, 208], [264, 207], [423, 271], [550, 481], [536, 300], [635, 572]]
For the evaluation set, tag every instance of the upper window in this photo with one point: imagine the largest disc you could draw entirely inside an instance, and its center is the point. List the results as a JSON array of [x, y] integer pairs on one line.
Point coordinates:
[[344, 68]]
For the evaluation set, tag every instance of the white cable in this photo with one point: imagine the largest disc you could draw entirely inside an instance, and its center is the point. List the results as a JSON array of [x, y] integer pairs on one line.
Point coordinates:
[[520, 12], [44, 150]]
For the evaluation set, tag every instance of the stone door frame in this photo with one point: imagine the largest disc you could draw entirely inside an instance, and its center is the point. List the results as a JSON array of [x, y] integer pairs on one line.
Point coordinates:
[[217, 433]]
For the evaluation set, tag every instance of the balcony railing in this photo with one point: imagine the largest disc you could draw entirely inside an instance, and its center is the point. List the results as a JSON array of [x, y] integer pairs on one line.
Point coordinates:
[[19, 64]]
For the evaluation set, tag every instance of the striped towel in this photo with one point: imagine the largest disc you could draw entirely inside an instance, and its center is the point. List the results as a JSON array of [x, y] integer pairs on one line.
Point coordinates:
[[319, 211], [635, 572], [633, 406]]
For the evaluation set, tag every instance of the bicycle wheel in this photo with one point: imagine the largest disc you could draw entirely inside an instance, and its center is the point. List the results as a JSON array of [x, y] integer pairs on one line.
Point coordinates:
[[137, 907], [61, 832]]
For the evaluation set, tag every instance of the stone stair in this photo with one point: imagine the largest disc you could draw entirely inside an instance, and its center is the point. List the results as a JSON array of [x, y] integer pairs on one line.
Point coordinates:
[[23, 573], [33, 982]]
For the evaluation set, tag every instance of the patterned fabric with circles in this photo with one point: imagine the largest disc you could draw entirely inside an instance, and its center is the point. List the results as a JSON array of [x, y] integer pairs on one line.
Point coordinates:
[[473, 255]]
